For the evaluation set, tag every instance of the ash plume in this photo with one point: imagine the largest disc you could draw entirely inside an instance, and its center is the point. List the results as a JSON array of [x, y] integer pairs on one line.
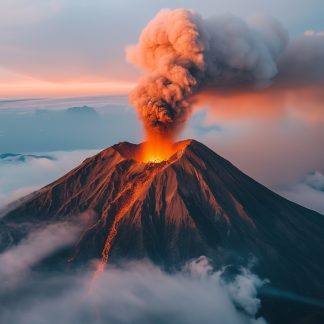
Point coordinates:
[[171, 49], [184, 54]]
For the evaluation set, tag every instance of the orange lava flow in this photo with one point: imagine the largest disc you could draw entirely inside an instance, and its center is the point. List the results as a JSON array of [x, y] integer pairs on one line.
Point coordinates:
[[138, 189]]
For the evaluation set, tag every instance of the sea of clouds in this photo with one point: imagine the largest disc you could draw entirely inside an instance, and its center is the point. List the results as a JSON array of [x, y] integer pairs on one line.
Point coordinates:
[[137, 292], [308, 192], [19, 178]]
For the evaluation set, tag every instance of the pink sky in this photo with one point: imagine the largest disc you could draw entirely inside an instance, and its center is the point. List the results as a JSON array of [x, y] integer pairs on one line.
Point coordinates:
[[14, 85]]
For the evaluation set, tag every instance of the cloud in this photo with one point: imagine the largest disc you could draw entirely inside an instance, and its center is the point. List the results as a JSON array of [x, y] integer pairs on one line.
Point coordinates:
[[312, 32], [302, 62], [274, 152], [296, 93], [271, 104], [21, 178], [315, 180], [18, 260], [243, 291], [309, 192], [137, 293]]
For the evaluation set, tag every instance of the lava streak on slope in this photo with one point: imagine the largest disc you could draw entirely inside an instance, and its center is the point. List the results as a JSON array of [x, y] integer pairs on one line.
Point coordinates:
[[134, 192], [155, 154]]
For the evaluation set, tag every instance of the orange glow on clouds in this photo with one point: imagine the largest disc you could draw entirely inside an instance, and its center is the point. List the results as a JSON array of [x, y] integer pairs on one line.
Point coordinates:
[[304, 103]]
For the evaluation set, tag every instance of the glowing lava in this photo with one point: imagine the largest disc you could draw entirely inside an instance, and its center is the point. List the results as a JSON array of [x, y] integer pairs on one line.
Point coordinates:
[[134, 192], [157, 150]]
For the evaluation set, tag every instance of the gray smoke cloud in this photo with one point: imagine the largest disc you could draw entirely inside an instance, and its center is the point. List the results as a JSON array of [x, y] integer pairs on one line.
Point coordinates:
[[184, 54], [302, 63]]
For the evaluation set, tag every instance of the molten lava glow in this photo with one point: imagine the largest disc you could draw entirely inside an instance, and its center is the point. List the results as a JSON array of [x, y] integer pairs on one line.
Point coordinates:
[[133, 191], [157, 150]]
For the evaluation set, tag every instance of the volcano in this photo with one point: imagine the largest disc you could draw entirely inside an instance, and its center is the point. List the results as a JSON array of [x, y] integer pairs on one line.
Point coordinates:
[[195, 203]]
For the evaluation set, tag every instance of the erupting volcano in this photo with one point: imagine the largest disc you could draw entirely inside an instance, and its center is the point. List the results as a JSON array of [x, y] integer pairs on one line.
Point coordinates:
[[191, 203]]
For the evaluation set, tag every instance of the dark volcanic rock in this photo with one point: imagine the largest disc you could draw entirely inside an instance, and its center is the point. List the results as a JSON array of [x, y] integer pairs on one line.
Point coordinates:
[[196, 203]]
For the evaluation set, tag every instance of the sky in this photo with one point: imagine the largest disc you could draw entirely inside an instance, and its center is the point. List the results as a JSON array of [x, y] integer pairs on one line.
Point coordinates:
[[77, 47]]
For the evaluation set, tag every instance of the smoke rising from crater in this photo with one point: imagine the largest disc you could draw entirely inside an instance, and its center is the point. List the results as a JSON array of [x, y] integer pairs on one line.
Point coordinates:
[[171, 49], [184, 54]]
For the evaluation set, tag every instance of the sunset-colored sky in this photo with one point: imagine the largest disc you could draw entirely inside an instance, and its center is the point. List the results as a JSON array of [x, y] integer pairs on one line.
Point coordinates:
[[13, 85], [77, 47]]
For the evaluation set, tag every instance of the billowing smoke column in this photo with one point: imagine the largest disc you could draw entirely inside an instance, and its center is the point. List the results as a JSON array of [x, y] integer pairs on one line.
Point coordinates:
[[171, 49], [184, 54]]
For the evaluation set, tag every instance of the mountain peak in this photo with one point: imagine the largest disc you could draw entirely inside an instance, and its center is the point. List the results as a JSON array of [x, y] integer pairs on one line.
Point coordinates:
[[131, 151]]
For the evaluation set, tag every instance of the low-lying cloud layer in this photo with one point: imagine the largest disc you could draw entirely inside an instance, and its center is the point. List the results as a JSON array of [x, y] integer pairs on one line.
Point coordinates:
[[19, 178], [135, 293], [17, 261], [308, 192]]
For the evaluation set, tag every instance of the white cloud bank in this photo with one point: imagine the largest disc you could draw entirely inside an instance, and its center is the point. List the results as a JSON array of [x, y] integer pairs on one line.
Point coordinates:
[[18, 260], [138, 293], [18, 179], [309, 192]]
